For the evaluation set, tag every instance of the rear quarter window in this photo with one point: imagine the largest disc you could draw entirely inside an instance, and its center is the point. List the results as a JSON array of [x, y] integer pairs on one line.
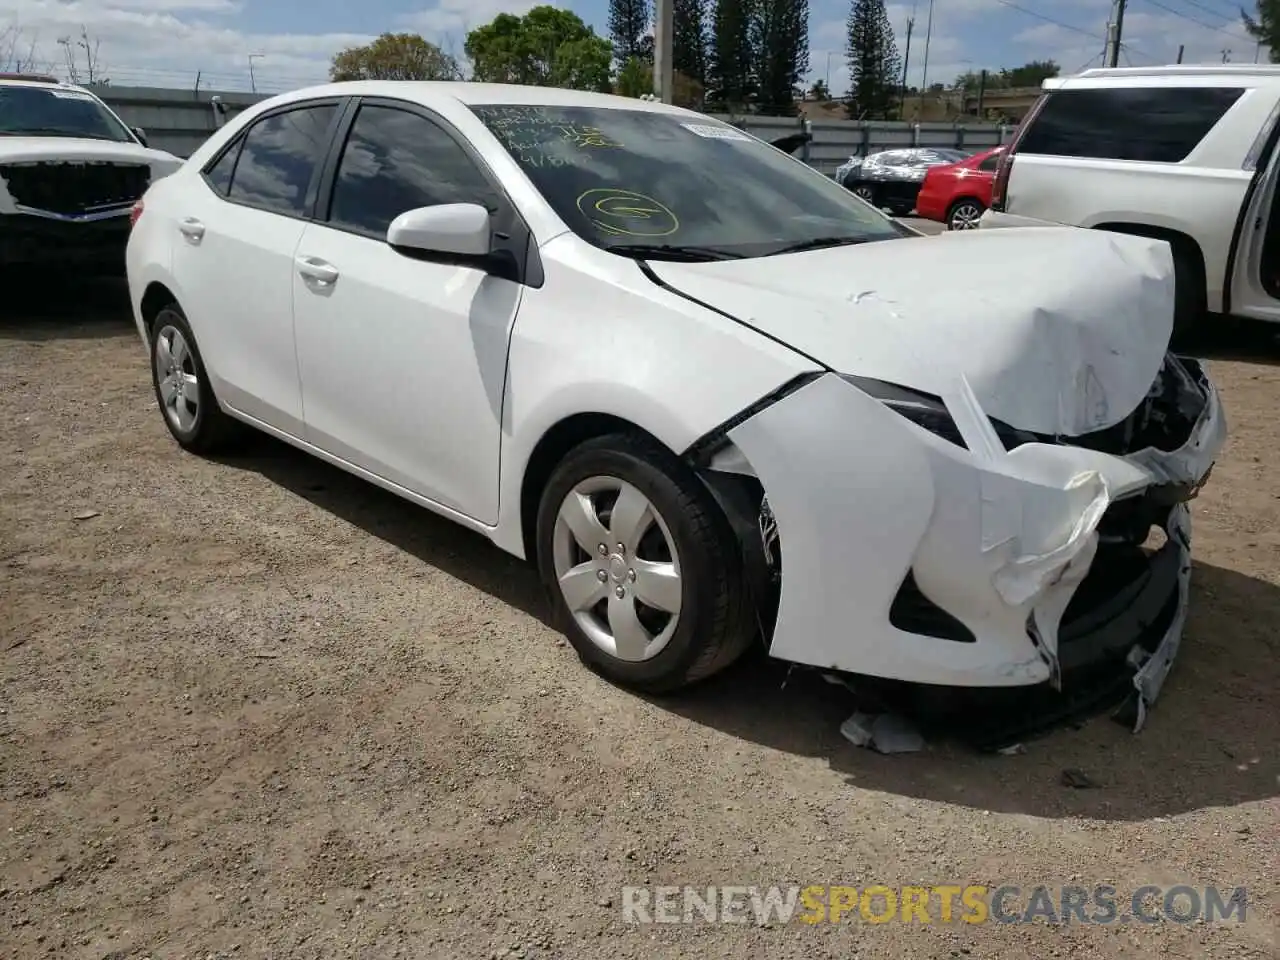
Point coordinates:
[[1151, 124]]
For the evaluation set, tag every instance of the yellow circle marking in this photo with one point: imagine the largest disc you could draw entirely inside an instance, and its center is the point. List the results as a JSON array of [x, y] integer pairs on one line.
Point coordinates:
[[626, 213]]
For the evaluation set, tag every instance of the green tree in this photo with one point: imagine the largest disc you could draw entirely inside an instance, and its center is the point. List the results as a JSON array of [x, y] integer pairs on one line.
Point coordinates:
[[547, 47], [628, 28], [780, 49], [1265, 27], [1029, 74], [635, 79], [395, 56], [872, 56], [689, 38], [730, 74], [819, 90]]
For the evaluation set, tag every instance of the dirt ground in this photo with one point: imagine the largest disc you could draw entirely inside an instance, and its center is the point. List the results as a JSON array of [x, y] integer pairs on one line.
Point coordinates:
[[255, 708]]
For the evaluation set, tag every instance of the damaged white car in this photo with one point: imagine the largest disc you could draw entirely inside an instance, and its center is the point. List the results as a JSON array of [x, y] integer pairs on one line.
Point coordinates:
[[714, 395]]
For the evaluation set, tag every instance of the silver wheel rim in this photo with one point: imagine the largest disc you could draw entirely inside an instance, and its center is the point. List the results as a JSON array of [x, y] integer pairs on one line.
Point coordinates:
[[617, 568], [864, 193], [176, 374], [965, 216]]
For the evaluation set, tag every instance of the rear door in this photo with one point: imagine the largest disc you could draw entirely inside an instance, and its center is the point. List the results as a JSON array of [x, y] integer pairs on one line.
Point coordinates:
[[1255, 260], [233, 258]]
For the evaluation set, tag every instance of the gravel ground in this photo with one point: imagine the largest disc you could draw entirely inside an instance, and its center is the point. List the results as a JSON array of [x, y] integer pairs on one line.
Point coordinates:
[[254, 708]]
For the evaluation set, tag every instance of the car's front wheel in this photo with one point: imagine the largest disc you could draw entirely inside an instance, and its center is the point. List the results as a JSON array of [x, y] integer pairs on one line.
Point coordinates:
[[640, 565], [964, 215], [182, 386], [865, 191]]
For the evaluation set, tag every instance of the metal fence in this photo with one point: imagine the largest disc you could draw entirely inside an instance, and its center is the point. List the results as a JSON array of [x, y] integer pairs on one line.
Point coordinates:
[[180, 120], [835, 141], [174, 120]]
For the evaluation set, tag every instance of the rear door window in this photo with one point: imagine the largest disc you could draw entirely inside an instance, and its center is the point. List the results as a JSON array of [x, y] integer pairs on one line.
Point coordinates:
[[1152, 124], [278, 158]]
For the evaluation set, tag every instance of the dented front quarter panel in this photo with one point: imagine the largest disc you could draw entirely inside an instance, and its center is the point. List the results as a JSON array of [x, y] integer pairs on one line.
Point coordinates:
[[1000, 540]]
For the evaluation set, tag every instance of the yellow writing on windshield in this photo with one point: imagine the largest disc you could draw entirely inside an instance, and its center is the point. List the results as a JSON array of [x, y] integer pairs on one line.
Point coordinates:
[[627, 213]]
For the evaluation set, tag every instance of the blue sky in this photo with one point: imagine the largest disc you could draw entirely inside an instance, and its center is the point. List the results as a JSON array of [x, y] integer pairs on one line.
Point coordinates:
[[166, 42]]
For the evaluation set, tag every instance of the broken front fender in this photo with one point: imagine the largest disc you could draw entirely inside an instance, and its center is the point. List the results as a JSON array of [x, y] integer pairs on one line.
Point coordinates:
[[872, 507]]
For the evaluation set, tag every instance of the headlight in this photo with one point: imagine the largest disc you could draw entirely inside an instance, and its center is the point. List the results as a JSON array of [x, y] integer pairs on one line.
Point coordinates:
[[929, 412]]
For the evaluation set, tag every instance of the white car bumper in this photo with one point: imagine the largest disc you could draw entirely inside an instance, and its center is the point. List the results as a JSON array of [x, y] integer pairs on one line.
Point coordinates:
[[874, 511]]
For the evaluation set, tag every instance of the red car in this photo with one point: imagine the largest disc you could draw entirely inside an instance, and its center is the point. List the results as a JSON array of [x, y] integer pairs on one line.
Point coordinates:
[[957, 193]]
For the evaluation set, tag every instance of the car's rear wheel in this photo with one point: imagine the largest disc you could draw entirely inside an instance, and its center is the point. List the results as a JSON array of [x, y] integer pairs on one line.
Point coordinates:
[[865, 192], [640, 565], [965, 214], [182, 386]]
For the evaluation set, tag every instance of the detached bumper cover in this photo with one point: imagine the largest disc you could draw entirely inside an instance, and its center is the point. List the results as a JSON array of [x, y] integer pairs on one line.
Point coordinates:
[[1029, 558]]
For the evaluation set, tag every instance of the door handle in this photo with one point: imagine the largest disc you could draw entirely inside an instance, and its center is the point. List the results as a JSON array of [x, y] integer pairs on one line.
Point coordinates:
[[192, 229], [316, 270]]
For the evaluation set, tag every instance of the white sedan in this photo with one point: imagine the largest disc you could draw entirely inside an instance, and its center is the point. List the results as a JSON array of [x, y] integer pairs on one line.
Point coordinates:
[[717, 398]]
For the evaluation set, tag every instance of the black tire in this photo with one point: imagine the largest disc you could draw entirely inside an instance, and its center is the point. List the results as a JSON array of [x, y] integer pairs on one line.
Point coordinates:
[[210, 430], [958, 206], [714, 627]]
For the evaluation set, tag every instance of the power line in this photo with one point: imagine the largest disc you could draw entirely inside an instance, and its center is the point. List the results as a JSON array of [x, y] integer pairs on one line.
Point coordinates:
[[1213, 13], [1197, 22], [1057, 23], [1067, 26]]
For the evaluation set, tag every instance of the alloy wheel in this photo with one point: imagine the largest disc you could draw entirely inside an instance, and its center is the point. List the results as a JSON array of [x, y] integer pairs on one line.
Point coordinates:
[[617, 568], [965, 216], [179, 384]]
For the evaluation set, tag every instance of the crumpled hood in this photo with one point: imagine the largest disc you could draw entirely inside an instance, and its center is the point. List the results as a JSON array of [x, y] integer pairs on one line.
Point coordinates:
[[1057, 330], [31, 149]]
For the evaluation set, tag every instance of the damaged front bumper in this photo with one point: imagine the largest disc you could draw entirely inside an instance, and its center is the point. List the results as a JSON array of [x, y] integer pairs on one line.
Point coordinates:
[[959, 552]]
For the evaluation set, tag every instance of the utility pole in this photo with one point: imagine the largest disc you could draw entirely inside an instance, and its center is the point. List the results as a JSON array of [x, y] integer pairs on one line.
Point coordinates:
[[1181, 47], [1115, 31], [906, 61], [664, 75], [928, 33], [253, 82]]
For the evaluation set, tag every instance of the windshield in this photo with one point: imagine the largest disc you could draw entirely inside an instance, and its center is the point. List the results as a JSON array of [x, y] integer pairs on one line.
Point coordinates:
[[662, 182], [57, 112]]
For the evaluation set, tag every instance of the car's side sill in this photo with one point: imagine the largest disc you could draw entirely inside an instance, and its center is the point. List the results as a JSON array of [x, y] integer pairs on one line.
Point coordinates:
[[427, 504]]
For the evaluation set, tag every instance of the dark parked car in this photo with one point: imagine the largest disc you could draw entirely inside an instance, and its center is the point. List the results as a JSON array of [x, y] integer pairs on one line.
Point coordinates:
[[892, 178]]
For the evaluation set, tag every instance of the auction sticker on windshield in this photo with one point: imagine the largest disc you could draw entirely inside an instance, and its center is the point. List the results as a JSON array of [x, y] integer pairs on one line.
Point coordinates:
[[715, 133]]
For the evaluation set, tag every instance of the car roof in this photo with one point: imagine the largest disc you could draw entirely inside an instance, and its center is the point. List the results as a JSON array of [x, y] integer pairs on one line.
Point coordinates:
[[1174, 74], [37, 81], [477, 94]]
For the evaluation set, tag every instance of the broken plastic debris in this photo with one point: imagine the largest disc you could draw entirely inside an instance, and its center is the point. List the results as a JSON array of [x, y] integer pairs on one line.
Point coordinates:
[[1013, 750], [884, 733], [86, 515]]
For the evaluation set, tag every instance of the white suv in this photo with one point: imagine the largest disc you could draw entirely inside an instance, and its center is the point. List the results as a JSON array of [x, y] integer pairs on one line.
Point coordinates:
[[1181, 153], [70, 172]]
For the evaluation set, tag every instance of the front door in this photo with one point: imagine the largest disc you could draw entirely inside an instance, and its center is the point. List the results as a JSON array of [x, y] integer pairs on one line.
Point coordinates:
[[403, 360], [233, 261]]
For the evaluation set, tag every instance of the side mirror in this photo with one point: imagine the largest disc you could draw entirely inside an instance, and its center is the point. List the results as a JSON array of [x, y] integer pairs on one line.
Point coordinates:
[[141, 135], [452, 229]]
